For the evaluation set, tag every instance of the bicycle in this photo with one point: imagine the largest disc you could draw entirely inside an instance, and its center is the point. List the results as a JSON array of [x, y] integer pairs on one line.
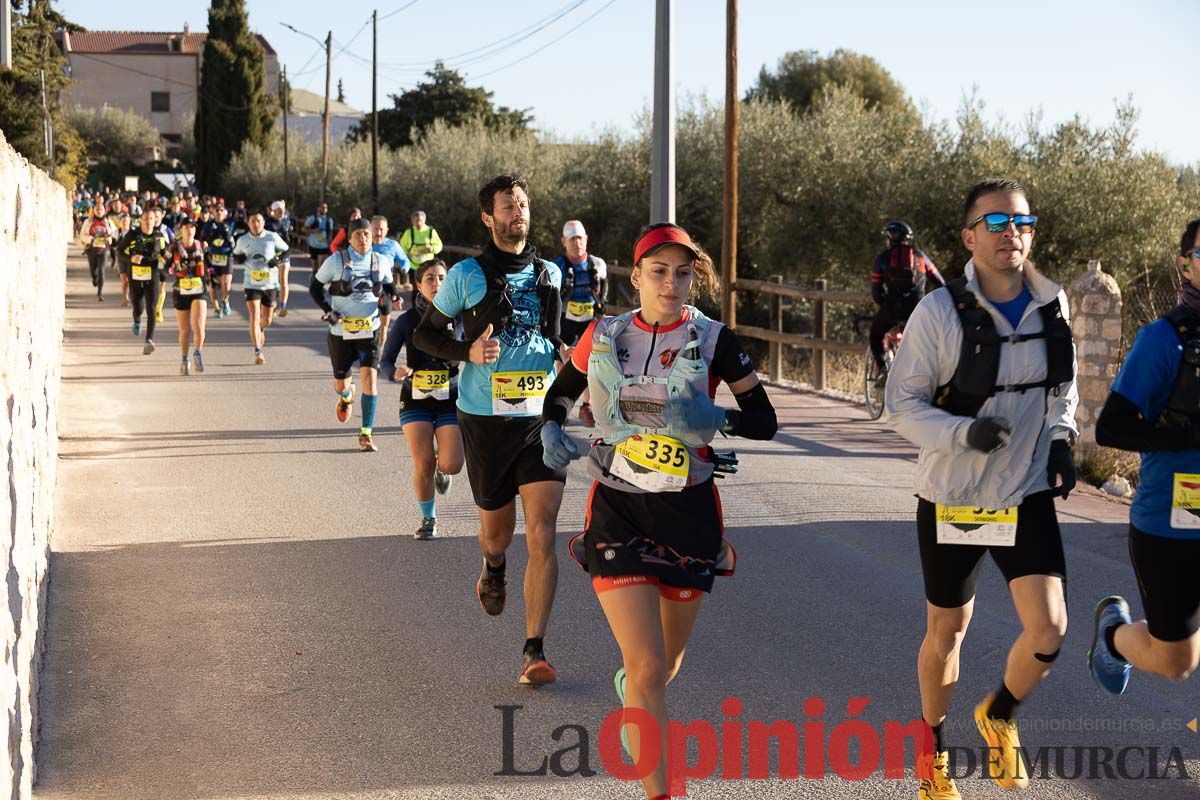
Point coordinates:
[[875, 380]]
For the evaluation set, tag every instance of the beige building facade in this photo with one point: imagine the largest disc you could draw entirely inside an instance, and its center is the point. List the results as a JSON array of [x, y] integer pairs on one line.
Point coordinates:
[[153, 74]]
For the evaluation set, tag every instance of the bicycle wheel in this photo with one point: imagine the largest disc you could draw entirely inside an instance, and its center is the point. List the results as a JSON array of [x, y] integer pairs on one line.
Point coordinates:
[[872, 394]]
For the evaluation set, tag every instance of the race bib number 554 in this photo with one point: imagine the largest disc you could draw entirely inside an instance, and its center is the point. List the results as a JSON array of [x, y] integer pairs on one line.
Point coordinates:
[[989, 527]]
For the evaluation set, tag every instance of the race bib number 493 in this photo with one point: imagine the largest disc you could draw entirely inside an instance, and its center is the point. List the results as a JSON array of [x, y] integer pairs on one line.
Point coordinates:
[[519, 393], [989, 527], [1185, 501]]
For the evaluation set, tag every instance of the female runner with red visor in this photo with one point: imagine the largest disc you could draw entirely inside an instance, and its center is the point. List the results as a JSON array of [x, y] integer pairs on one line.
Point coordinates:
[[653, 539]]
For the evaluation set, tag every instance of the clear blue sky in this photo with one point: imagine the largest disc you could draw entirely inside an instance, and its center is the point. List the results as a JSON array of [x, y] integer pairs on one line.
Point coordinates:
[[1059, 56]]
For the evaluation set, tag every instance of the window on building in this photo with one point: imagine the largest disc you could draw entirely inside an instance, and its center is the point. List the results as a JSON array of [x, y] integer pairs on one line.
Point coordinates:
[[160, 101]]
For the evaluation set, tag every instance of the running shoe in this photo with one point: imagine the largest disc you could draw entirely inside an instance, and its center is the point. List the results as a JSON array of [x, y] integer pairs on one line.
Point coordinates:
[[137, 327], [537, 671], [124, 302], [586, 416], [185, 368], [259, 358], [198, 360], [228, 308], [492, 592], [283, 309], [1005, 765], [1110, 672], [442, 481], [428, 529], [148, 348], [619, 685], [99, 298], [366, 444], [220, 312], [344, 406], [939, 785]]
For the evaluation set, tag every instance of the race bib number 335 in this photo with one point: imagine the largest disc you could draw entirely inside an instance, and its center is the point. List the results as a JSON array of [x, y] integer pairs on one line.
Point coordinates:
[[1185, 501], [990, 527], [519, 393], [653, 463]]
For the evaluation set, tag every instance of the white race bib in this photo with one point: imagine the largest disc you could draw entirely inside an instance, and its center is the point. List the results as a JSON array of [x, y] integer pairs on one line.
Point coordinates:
[[990, 527], [431, 384], [519, 394], [1185, 501], [357, 328]]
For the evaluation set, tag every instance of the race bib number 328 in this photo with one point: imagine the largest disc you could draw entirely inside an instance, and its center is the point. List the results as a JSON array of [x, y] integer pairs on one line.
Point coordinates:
[[989, 527]]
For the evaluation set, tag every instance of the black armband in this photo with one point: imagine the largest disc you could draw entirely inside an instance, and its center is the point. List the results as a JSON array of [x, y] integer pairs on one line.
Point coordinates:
[[754, 418], [316, 290], [431, 336], [568, 385]]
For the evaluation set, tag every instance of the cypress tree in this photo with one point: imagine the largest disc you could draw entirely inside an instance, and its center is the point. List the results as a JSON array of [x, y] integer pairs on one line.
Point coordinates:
[[231, 107]]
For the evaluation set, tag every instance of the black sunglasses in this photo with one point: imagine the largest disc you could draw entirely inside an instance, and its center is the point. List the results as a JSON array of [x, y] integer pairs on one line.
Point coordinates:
[[998, 222]]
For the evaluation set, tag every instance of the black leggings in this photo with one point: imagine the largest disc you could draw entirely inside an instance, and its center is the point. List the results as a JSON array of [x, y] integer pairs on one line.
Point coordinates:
[[96, 261], [144, 295]]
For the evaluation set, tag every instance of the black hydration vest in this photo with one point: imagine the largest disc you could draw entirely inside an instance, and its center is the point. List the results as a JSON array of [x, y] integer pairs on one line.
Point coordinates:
[[496, 307], [1183, 406], [974, 379], [344, 286]]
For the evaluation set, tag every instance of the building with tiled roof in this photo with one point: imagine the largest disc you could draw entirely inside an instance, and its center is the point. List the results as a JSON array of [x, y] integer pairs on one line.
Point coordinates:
[[153, 73]]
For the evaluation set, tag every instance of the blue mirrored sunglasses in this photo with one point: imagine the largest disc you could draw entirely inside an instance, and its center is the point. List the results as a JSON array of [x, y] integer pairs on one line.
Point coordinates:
[[998, 223]]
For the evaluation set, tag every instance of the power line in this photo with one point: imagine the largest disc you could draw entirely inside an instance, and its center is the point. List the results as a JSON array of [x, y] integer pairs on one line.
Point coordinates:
[[398, 10], [543, 49]]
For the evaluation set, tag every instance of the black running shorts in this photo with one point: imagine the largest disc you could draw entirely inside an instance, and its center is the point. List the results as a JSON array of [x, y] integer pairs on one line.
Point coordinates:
[[951, 570], [503, 454], [267, 297], [1168, 576], [344, 352], [183, 302]]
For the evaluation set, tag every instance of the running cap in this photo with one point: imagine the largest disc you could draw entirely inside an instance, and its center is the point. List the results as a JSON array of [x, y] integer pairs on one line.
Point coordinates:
[[359, 224], [573, 228], [277, 205], [187, 221], [657, 238]]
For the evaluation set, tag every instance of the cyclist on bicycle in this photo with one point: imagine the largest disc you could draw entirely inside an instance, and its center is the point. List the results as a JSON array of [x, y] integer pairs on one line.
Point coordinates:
[[899, 279]]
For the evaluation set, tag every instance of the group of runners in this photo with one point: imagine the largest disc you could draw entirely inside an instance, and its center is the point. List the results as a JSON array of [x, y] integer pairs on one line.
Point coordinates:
[[499, 348]]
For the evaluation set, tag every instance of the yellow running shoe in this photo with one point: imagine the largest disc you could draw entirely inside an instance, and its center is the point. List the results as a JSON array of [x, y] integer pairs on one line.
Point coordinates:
[[939, 785], [1004, 764]]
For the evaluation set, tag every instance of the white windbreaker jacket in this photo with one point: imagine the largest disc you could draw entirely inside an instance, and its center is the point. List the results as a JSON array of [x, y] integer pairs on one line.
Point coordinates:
[[949, 471]]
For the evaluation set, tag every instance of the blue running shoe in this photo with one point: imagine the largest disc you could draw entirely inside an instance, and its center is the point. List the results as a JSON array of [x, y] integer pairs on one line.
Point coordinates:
[[619, 685], [137, 327], [1109, 671]]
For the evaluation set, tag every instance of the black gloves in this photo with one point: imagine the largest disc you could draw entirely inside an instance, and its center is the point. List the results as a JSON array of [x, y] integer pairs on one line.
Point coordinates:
[[1061, 467], [239, 258], [988, 434]]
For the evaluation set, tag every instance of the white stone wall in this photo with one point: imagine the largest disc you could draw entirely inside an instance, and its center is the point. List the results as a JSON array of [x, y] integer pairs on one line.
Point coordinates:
[[35, 227], [1095, 301]]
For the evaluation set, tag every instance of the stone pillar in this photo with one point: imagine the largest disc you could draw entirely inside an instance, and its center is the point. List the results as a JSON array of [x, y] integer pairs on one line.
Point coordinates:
[[1095, 301]]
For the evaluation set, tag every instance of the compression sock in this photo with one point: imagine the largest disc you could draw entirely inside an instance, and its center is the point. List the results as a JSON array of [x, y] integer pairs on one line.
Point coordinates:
[[939, 737], [369, 401], [498, 570], [428, 508], [1110, 638], [347, 392], [533, 645], [1003, 704]]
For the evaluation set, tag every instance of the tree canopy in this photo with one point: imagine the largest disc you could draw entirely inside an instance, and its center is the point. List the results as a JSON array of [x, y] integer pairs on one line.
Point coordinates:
[[445, 96], [804, 78], [232, 105]]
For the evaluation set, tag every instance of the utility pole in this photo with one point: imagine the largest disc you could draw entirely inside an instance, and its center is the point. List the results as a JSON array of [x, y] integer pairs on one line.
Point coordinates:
[[325, 117], [6, 35], [730, 221], [374, 114], [283, 84], [662, 177]]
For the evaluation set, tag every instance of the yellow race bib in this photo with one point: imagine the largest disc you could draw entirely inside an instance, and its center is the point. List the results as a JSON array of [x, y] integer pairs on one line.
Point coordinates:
[[356, 328], [219, 259], [431, 384], [519, 393], [651, 462], [141, 272], [580, 310], [260, 275], [1185, 501], [990, 527], [191, 286]]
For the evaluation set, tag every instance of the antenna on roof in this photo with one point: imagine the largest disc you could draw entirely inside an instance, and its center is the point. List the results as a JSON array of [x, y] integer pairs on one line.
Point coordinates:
[[185, 28]]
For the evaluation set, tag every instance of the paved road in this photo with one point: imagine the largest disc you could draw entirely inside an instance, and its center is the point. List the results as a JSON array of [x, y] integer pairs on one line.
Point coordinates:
[[237, 610]]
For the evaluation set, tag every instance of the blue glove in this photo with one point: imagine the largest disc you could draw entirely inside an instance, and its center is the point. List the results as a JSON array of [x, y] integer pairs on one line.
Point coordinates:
[[694, 413], [558, 450]]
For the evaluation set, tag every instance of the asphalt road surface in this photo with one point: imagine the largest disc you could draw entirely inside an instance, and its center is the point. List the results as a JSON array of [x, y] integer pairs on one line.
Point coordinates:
[[237, 608]]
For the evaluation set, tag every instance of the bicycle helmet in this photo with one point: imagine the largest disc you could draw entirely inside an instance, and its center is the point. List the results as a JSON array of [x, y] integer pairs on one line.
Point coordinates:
[[898, 231]]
